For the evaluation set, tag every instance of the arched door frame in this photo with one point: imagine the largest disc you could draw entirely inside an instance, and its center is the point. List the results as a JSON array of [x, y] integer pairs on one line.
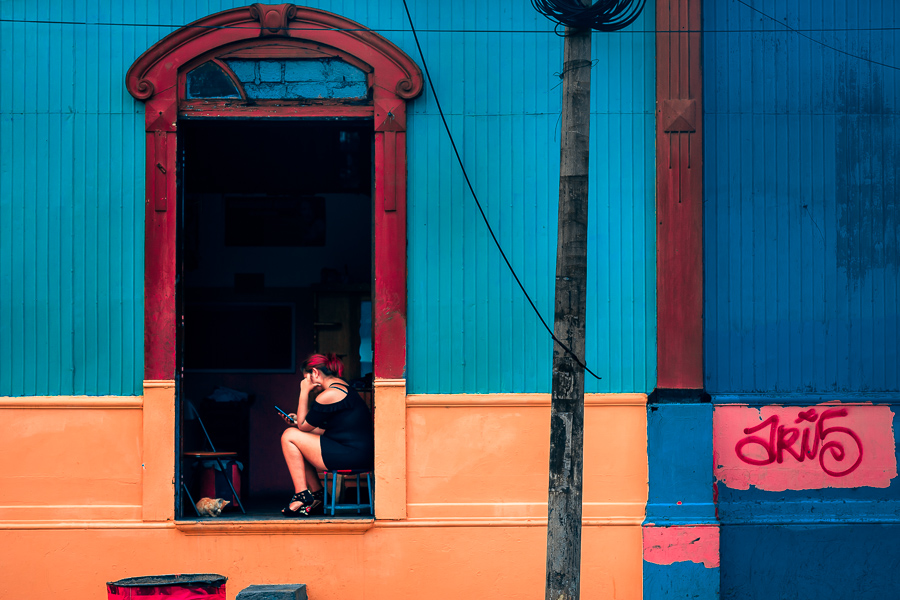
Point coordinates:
[[394, 79], [283, 31]]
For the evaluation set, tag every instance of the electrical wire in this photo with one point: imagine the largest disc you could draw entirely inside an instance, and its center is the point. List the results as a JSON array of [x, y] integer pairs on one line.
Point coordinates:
[[603, 15], [437, 103], [812, 39], [455, 30], [616, 10]]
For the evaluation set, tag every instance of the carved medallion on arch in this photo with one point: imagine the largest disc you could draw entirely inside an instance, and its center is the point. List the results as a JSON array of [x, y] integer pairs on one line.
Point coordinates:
[[273, 18], [278, 32]]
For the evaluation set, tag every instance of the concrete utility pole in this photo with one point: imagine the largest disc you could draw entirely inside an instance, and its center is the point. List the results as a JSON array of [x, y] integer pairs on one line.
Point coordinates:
[[567, 402]]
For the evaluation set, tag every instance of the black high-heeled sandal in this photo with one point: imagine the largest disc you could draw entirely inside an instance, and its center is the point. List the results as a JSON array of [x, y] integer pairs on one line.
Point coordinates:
[[310, 500], [319, 497]]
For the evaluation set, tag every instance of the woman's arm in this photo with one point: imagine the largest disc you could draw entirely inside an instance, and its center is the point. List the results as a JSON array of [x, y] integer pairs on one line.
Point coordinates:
[[306, 386]]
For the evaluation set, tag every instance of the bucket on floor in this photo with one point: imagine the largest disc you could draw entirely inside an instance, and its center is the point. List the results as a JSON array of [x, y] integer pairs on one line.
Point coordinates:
[[212, 483], [169, 587]]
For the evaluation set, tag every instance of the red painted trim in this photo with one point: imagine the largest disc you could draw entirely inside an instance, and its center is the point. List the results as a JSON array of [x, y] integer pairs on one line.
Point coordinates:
[[679, 203], [225, 69], [221, 109], [390, 266], [159, 263], [157, 68], [285, 31]]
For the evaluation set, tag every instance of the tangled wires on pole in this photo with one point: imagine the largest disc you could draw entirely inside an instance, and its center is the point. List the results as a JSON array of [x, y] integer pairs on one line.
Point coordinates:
[[603, 15]]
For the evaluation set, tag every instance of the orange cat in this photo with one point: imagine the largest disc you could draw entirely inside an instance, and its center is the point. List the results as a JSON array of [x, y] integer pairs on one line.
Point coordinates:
[[211, 507]]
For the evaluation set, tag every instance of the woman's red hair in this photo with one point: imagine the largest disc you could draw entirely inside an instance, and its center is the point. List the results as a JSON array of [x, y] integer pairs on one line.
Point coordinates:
[[329, 364]]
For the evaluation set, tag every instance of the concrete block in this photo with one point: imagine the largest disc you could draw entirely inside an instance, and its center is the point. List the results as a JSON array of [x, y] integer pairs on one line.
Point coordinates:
[[244, 70], [271, 71], [347, 90], [309, 89], [266, 91], [284, 591], [305, 70], [341, 71]]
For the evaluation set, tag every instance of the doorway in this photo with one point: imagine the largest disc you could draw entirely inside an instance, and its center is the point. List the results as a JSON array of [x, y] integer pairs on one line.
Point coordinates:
[[275, 263]]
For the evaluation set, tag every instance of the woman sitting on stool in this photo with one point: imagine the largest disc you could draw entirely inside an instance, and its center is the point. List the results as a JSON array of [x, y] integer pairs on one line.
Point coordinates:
[[336, 432]]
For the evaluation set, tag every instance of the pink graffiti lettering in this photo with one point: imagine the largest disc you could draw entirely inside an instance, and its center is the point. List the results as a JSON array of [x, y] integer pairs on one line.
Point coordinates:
[[783, 440], [747, 446]]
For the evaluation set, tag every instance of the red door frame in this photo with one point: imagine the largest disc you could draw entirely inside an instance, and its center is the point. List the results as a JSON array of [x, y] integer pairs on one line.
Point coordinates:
[[282, 30]]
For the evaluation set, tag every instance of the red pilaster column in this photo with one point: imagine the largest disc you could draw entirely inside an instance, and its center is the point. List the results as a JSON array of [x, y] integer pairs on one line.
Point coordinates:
[[160, 224], [389, 293], [679, 200]]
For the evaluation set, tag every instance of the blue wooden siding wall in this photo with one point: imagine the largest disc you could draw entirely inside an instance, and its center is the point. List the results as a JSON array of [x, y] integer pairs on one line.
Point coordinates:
[[71, 202], [802, 267], [802, 218], [470, 328], [71, 195]]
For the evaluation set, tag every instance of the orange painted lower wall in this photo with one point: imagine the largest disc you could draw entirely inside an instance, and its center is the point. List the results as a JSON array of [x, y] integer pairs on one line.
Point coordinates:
[[70, 458], [461, 512], [385, 562], [487, 456]]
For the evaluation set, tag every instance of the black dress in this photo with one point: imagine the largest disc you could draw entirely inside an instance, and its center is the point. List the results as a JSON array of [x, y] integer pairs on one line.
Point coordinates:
[[349, 438]]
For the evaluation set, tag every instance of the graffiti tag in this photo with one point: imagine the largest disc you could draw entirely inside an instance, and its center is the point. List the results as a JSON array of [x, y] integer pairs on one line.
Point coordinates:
[[776, 448], [816, 440]]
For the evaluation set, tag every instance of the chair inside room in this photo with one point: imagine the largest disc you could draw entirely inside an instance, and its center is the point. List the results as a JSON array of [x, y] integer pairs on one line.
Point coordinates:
[[225, 461]]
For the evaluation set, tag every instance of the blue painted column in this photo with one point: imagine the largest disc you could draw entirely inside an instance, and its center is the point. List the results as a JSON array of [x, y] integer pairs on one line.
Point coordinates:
[[681, 532]]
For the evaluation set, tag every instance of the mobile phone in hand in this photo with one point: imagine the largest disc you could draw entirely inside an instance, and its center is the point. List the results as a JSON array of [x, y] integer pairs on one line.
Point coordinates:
[[286, 416]]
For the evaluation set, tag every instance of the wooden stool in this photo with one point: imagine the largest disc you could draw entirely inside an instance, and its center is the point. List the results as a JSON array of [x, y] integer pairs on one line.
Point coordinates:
[[335, 505]]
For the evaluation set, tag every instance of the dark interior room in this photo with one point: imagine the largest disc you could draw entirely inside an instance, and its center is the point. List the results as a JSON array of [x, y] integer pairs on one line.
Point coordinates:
[[275, 259]]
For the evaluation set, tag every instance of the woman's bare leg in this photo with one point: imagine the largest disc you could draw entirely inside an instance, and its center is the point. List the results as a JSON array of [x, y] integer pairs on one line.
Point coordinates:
[[303, 455], [313, 483]]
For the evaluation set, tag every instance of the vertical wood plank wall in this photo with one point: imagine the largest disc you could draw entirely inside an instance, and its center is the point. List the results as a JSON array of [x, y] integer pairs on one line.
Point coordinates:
[[802, 268], [802, 222], [470, 328], [71, 196], [71, 203]]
